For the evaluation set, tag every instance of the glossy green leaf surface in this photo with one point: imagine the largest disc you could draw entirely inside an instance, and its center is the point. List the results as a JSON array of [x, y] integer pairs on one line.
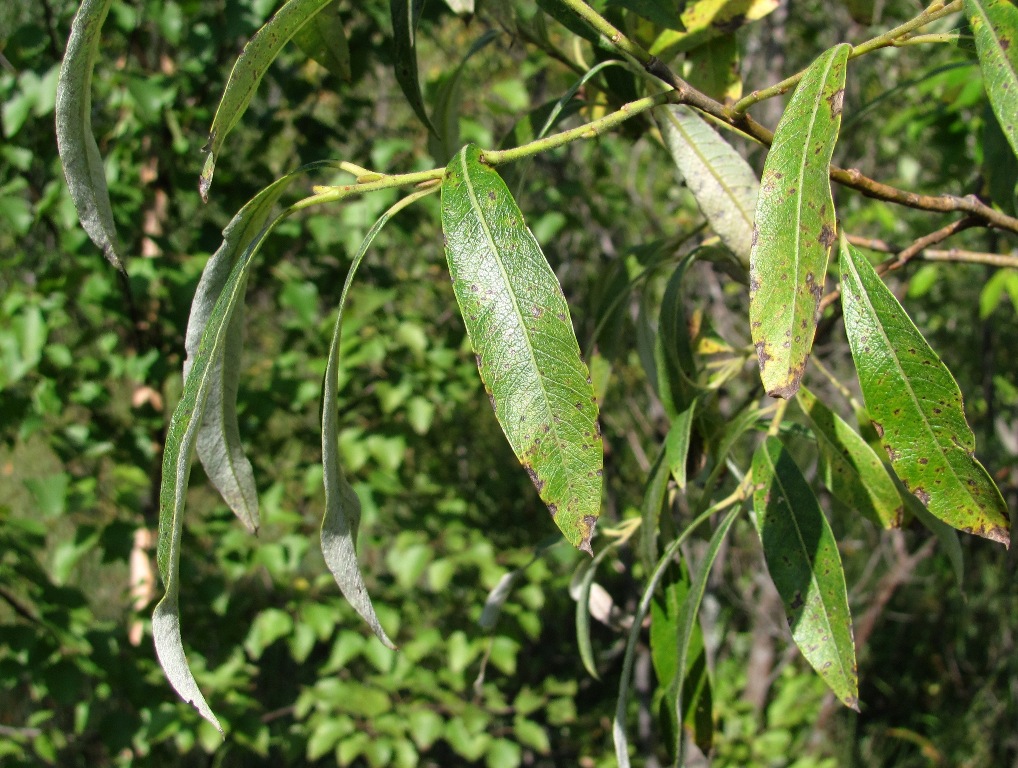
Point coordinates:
[[405, 15], [323, 39], [79, 153], [804, 564], [342, 507], [995, 25], [722, 182], [251, 66], [218, 438], [795, 226], [849, 467], [519, 327], [916, 406]]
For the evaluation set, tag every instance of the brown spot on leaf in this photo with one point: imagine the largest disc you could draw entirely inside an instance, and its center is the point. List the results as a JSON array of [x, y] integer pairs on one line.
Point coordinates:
[[826, 236], [879, 428], [797, 602], [762, 354], [589, 521], [837, 101], [922, 495], [553, 508], [538, 482]]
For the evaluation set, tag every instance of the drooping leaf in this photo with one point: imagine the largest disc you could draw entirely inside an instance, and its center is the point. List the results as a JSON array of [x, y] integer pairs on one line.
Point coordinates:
[[585, 579], [804, 564], [995, 25], [218, 439], [518, 323], [79, 153], [677, 445], [655, 503], [666, 611], [916, 406], [447, 105], [342, 507], [690, 609], [795, 225], [706, 20], [675, 366], [252, 64], [849, 467], [405, 15], [323, 39], [722, 182]]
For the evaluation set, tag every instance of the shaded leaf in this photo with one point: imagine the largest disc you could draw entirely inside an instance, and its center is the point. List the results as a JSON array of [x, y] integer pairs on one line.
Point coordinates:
[[849, 467], [706, 20], [342, 507], [447, 105], [405, 15], [79, 154], [677, 445], [674, 368], [795, 225], [662, 14], [722, 182], [518, 323], [713, 68], [218, 439], [584, 580], [804, 564], [995, 26], [323, 39], [916, 406], [252, 64]]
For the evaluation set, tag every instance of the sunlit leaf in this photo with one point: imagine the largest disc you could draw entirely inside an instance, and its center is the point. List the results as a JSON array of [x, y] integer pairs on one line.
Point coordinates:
[[79, 154], [342, 507], [252, 64], [677, 445], [461, 7], [721, 181], [995, 25], [706, 20], [795, 225], [405, 15], [518, 323], [323, 39], [804, 564], [849, 467], [916, 406]]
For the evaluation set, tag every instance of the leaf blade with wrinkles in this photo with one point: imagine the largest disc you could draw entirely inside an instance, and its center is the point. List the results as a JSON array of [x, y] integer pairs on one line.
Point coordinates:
[[405, 15], [802, 558], [218, 439], [342, 507], [795, 225], [849, 468], [79, 153], [722, 182], [995, 25], [916, 406], [518, 323], [248, 71]]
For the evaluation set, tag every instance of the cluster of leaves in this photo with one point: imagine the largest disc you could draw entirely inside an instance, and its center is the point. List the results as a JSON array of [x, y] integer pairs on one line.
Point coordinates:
[[776, 236]]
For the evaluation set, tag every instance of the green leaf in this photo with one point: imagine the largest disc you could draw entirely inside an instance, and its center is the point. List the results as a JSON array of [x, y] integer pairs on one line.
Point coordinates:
[[677, 445], [218, 439], [674, 367], [713, 68], [585, 578], [323, 39], [666, 611], [447, 105], [849, 467], [405, 15], [802, 558], [79, 154], [916, 406], [691, 607], [795, 225], [706, 20], [995, 25], [342, 507], [721, 181], [252, 64], [518, 323]]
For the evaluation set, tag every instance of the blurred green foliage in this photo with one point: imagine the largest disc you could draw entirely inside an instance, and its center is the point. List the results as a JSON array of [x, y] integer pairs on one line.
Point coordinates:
[[90, 369]]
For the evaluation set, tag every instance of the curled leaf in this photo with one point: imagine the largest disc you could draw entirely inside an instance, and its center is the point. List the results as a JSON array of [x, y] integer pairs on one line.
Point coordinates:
[[79, 153]]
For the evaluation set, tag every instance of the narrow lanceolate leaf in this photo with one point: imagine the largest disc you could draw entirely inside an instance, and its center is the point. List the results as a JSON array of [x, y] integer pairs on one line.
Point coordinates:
[[849, 467], [218, 438], [916, 406], [518, 323], [723, 184], [995, 25], [79, 154], [252, 64], [342, 507], [203, 376], [804, 564], [323, 39], [405, 15], [795, 226]]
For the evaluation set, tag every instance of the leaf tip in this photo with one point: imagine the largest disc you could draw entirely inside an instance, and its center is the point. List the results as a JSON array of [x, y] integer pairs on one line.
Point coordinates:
[[589, 521]]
